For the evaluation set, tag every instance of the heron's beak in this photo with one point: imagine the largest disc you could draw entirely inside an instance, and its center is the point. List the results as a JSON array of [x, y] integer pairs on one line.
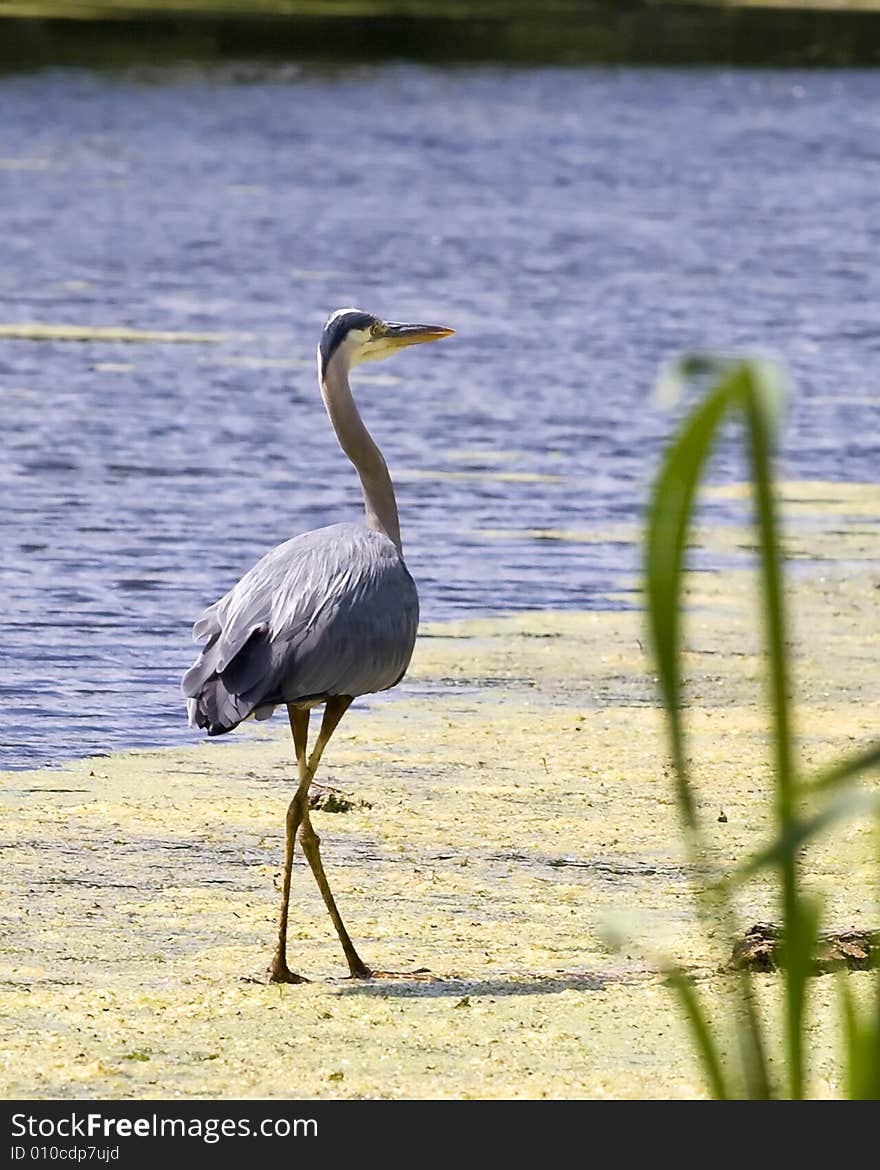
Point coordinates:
[[400, 335]]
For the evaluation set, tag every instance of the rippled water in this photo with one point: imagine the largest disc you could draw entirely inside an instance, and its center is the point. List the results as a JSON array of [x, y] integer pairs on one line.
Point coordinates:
[[575, 227]]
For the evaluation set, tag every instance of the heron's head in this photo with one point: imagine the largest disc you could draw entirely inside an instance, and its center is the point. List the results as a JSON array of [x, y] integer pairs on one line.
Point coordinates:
[[360, 337]]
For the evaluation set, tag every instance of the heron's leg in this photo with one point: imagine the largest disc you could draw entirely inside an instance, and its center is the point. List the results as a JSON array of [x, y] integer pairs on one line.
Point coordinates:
[[334, 709], [279, 972], [333, 712], [310, 843]]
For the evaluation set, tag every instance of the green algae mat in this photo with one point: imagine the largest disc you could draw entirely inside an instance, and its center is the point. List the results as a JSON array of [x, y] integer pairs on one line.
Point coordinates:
[[505, 813]]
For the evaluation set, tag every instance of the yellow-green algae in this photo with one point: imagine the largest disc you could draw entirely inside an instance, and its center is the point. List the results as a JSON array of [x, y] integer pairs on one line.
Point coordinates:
[[38, 331], [520, 801]]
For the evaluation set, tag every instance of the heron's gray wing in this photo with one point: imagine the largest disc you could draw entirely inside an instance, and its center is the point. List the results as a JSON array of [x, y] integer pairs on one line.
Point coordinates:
[[333, 611]]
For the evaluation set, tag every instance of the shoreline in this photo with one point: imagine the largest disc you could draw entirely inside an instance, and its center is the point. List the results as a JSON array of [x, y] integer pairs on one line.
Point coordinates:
[[823, 522], [117, 34], [498, 826]]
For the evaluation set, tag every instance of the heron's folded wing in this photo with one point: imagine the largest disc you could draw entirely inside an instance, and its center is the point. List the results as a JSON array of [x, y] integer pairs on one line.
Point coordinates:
[[331, 612]]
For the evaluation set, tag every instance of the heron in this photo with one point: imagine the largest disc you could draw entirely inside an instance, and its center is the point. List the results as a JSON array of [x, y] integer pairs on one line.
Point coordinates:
[[320, 620]]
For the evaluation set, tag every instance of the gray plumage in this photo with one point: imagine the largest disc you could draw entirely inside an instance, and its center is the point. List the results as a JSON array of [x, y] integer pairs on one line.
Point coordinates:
[[331, 612], [322, 618]]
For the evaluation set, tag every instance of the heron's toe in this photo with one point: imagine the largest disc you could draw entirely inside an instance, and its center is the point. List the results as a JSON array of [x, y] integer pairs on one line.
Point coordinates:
[[281, 973]]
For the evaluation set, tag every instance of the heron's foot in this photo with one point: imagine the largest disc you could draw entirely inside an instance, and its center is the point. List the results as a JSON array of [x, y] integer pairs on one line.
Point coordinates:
[[359, 969], [279, 972]]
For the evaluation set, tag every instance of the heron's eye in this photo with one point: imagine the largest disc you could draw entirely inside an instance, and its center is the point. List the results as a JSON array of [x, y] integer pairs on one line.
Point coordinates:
[[375, 330]]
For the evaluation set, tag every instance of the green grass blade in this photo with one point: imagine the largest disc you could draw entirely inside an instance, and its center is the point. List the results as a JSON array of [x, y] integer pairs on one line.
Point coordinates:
[[872, 1048], [852, 1040], [845, 770], [755, 389], [760, 400], [702, 1034], [799, 940], [861, 1032], [785, 846], [759, 405], [669, 515]]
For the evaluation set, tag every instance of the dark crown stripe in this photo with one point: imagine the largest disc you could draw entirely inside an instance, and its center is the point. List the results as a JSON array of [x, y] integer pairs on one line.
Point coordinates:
[[337, 329]]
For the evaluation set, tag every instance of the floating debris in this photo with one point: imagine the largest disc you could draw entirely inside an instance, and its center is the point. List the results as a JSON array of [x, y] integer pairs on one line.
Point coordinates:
[[760, 950], [330, 800]]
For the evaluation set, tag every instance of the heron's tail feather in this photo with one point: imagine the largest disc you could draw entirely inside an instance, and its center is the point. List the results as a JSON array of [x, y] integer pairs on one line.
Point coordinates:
[[228, 682], [215, 709]]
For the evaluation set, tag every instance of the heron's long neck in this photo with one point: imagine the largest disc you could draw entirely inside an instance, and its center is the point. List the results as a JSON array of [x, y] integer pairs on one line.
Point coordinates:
[[357, 442]]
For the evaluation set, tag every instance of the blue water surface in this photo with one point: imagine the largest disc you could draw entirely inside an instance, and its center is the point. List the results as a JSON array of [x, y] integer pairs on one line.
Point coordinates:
[[576, 227]]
